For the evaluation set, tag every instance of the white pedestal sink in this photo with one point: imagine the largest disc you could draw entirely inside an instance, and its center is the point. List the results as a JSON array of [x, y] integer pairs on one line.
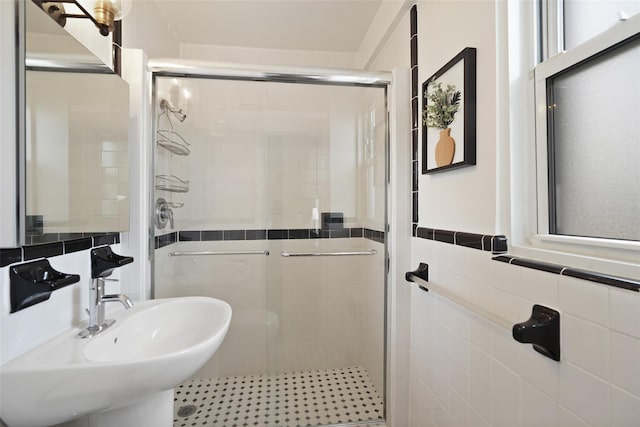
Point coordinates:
[[152, 347]]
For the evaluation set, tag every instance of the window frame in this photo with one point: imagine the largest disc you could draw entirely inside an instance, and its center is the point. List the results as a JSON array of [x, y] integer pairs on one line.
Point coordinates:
[[530, 221]]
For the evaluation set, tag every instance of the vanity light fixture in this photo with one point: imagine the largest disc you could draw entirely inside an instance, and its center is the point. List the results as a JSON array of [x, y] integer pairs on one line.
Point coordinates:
[[105, 12]]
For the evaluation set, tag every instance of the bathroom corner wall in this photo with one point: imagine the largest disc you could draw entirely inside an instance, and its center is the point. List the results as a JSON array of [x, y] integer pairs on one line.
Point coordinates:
[[466, 370]]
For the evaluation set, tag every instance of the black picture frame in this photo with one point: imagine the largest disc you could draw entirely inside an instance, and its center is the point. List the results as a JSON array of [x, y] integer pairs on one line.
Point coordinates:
[[460, 71]]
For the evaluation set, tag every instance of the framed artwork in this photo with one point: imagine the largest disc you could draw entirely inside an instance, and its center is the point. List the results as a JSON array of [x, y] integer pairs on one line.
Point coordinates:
[[449, 115]]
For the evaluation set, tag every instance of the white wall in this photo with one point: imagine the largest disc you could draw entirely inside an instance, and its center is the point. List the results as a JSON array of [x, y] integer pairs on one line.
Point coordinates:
[[145, 28], [285, 57], [466, 197], [465, 370]]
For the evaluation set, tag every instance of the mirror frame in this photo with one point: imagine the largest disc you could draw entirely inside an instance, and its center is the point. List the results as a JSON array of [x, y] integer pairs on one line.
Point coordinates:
[[22, 65]]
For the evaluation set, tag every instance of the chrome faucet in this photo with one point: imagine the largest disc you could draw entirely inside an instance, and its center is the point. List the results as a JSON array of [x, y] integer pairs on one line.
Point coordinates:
[[103, 262], [97, 301]]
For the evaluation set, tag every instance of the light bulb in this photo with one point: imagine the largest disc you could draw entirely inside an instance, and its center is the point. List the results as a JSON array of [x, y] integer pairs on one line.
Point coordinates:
[[107, 11]]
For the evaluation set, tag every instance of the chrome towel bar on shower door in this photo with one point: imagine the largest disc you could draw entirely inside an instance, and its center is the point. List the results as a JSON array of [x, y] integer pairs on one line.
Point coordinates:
[[288, 254], [200, 253]]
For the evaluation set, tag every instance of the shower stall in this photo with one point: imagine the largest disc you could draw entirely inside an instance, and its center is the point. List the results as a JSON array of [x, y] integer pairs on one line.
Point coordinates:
[[271, 194]]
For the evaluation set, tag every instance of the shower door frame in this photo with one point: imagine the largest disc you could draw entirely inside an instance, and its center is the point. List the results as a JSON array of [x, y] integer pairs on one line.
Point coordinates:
[[267, 74]]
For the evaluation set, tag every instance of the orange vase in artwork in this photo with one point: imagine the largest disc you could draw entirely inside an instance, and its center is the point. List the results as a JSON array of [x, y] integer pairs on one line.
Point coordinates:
[[445, 148]]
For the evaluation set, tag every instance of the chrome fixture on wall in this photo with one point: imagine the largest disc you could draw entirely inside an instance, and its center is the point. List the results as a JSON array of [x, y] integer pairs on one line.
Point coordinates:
[[164, 214], [105, 12], [103, 262]]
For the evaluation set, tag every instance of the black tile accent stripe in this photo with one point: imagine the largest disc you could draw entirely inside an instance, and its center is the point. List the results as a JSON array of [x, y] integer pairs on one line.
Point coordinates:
[[187, 236], [605, 279], [496, 244], [469, 240], [108, 239], [166, 239], [256, 234], [77, 245], [10, 256], [277, 234], [63, 243], [36, 239], [357, 232], [274, 234], [592, 276], [43, 251], [424, 233], [415, 113], [211, 235], [303, 233], [414, 20], [233, 235], [444, 236], [537, 265], [414, 50]]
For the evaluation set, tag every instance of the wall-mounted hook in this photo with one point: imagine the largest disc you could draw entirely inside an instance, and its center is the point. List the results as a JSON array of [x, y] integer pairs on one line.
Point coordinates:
[[542, 330]]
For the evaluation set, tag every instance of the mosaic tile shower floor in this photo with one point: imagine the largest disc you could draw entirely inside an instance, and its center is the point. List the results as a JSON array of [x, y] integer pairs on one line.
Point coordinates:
[[299, 399]]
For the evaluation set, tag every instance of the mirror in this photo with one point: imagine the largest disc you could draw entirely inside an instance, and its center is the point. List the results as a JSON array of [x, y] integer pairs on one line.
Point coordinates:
[[76, 155]]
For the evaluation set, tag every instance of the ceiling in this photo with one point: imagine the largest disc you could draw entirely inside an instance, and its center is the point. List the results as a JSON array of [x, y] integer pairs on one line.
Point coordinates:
[[317, 25]]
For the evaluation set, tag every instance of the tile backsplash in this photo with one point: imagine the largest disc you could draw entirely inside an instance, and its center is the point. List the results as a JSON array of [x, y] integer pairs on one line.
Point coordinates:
[[467, 371]]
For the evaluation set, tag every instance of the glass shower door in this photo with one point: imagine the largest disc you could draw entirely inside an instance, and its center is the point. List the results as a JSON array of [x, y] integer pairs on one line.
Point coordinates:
[[296, 171]]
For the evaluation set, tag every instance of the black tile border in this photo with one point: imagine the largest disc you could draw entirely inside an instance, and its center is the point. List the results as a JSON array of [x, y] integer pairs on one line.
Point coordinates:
[[10, 256], [166, 239], [81, 242], [263, 234], [78, 245], [483, 242], [42, 251], [36, 239], [415, 112], [591, 276]]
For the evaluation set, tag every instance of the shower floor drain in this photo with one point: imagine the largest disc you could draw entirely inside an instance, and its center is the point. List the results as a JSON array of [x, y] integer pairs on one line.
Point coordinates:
[[297, 399], [186, 411]]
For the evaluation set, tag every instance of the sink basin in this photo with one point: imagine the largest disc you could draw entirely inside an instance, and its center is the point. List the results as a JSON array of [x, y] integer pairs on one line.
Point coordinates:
[[152, 347]]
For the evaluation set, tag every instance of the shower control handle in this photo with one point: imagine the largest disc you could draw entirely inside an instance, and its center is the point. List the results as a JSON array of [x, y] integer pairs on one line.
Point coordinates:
[[164, 214]]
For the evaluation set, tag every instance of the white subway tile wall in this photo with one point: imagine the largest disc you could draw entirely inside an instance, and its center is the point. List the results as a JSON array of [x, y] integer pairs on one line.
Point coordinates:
[[467, 371]]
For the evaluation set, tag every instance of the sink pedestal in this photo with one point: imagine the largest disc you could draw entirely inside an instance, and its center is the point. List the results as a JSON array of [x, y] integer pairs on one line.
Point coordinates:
[[154, 411]]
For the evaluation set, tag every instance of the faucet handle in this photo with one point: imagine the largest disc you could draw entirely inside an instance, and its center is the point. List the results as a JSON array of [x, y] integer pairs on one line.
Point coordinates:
[[164, 213]]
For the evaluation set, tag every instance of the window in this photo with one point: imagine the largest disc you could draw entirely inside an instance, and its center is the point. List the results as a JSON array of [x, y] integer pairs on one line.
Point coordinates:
[[588, 121]]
